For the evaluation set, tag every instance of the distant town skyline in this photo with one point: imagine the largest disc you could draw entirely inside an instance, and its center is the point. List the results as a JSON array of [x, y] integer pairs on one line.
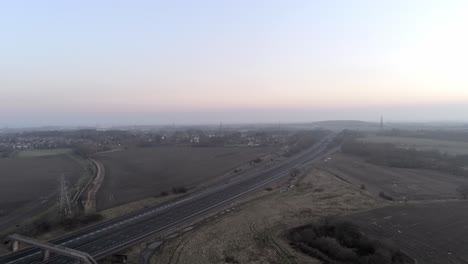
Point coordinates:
[[154, 62]]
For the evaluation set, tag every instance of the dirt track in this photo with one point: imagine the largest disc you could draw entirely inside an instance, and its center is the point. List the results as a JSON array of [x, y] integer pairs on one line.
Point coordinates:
[[90, 204]]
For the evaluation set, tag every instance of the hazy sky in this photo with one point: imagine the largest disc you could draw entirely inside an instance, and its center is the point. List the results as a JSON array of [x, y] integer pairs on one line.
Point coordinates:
[[155, 62]]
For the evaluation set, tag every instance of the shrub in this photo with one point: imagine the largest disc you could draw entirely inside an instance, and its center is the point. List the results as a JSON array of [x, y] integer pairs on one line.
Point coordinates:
[[331, 247], [41, 227], [343, 242], [294, 172], [385, 196], [230, 259], [257, 160], [71, 223], [179, 190]]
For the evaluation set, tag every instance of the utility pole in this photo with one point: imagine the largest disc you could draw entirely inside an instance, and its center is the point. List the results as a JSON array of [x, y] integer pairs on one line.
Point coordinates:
[[65, 210], [381, 123]]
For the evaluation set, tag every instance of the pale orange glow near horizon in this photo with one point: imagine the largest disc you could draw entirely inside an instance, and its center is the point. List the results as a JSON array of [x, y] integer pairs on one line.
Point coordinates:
[[227, 58]]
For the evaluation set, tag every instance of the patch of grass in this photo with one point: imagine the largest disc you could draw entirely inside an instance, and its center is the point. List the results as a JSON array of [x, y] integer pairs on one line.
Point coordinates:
[[446, 146], [30, 153]]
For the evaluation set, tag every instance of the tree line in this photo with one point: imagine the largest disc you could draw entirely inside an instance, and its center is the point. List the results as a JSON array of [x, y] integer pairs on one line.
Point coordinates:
[[390, 155]]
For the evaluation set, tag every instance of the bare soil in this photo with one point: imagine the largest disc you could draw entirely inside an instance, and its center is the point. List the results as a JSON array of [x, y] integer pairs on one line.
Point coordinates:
[[432, 233], [139, 173], [401, 184]]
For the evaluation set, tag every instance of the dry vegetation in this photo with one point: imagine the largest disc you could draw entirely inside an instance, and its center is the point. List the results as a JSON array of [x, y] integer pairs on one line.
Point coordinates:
[[135, 206], [340, 242], [29, 153], [256, 232]]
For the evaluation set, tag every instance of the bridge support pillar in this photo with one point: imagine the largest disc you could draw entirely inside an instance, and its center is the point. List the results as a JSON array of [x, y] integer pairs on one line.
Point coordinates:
[[15, 245], [48, 247], [45, 254]]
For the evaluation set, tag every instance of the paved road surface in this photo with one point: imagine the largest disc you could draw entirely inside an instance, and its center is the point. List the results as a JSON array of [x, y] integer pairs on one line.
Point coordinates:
[[115, 235]]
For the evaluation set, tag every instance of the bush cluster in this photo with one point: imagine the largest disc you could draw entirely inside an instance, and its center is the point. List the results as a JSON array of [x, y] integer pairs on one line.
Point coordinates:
[[82, 220], [179, 190], [342, 242], [385, 196]]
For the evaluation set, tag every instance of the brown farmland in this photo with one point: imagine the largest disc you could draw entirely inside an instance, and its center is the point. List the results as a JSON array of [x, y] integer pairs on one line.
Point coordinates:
[[412, 184], [432, 233], [139, 173], [26, 183]]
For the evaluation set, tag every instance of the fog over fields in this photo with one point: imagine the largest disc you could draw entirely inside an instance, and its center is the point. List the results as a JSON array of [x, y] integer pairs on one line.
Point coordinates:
[[248, 131]]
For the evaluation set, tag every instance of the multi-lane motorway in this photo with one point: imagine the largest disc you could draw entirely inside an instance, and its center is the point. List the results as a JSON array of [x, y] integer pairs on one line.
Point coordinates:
[[115, 235]]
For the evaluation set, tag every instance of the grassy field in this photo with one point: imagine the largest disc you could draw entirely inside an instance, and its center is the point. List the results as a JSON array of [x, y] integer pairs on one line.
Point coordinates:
[[26, 183], [139, 173], [449, 147], [398, 183], [432, 233], [30, 153]]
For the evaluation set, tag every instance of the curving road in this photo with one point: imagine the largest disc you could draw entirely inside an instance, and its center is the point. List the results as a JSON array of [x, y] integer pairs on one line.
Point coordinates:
[[115, 235], [90, 205]]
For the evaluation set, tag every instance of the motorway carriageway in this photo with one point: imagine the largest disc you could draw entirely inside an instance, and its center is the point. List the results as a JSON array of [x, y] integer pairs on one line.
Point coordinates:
[[115, 235]]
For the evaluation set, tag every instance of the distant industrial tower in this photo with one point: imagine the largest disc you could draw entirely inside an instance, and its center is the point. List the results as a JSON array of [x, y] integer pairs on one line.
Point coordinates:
[[381, 123], [221, 129], [65, 210]]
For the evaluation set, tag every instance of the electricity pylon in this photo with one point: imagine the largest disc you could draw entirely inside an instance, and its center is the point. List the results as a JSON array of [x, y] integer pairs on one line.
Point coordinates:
[[65, 210]]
